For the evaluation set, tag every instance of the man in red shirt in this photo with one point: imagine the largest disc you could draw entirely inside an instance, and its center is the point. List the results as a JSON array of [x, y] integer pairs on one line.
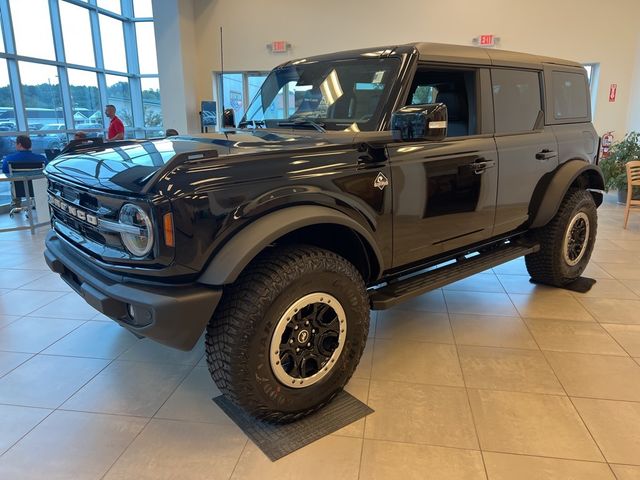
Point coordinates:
[[116, 127]]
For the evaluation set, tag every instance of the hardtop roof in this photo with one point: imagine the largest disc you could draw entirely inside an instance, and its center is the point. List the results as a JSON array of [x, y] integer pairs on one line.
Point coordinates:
[[485, 56], [446, 53]]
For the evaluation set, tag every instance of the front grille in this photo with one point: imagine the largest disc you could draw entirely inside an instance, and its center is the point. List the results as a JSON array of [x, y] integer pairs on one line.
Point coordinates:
[[86, 231], [69, 211], [88, 220], [75, 196], [80, 211]]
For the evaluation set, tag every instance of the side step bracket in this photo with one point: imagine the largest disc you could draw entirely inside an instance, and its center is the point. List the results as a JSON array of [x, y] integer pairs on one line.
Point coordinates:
[[412, 286]]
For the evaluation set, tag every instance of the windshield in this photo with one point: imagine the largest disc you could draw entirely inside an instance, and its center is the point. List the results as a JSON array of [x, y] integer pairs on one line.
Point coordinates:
[[334, 95]]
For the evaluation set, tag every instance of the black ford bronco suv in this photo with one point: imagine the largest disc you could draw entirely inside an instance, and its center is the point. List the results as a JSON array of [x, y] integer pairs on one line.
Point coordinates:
[[354, 181]]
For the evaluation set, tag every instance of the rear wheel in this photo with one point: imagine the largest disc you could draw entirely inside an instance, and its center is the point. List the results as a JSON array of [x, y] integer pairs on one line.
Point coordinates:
[[566, 242], [289, 333]]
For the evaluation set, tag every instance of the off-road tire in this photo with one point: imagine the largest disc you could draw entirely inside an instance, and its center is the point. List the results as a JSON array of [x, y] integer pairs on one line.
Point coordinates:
[[239, 335], [550, 265]]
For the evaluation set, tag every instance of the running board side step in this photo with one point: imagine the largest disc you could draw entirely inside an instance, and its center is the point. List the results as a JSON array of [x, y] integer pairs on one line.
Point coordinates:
[[404, 289]]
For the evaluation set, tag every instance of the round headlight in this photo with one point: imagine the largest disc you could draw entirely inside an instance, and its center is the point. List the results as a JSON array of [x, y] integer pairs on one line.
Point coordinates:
[[139, 243]]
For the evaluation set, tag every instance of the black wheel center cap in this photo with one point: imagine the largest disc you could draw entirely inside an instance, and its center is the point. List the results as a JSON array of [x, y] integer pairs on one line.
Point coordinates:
[[303, 336]]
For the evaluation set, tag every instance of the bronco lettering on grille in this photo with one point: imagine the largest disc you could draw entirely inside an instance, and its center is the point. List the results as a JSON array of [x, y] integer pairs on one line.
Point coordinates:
[[73, 210]]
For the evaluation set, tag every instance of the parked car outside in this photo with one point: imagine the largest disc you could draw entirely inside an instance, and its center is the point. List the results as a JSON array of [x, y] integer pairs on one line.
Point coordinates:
[[45, 138]]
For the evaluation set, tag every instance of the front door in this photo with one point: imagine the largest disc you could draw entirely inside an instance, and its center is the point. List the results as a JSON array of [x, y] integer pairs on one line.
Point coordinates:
[[444, 196], [444, 193]]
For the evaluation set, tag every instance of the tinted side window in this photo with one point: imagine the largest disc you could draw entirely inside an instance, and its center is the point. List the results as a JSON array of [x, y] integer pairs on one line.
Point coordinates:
[[569, 95], [456, 89], [516, 100]]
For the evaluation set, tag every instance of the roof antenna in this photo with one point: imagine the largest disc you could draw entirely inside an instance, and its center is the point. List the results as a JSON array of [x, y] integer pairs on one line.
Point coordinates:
[[222, 82], [221, 69]]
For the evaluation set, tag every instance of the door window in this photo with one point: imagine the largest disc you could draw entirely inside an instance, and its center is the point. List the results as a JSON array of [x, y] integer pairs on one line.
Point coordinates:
[[516, 100], [569, 95], [456, 89]]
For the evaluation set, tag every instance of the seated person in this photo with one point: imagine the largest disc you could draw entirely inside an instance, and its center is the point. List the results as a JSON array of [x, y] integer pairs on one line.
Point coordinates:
[[79, 135], [23, 154]]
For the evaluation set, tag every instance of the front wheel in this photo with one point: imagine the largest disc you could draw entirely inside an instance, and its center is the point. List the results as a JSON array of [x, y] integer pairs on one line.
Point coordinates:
[[289, 332], [566, 242]]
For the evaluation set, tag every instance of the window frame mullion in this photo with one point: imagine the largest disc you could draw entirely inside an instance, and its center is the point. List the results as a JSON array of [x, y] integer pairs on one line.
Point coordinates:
[[20, 114]]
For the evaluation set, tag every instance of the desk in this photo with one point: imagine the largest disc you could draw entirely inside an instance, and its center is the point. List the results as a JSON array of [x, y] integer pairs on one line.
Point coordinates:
[[26, 178]]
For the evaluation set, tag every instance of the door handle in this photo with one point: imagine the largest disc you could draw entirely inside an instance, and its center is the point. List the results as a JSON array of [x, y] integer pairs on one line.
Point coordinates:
[[546, 154], [480, 165]]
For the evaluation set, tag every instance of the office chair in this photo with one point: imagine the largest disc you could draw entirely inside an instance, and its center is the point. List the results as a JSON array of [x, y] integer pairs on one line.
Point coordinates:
[[18, 190]]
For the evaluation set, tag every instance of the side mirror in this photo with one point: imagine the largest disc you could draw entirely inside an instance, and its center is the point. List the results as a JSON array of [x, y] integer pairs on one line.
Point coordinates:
[[228, 118], [420, 122]]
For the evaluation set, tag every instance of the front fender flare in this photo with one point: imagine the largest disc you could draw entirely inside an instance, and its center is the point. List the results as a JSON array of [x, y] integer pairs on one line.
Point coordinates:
[[236, 254], [558, 186]]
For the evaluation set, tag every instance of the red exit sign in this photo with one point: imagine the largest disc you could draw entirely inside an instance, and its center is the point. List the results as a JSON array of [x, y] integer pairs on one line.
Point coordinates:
[[487, 41], [279, 46]]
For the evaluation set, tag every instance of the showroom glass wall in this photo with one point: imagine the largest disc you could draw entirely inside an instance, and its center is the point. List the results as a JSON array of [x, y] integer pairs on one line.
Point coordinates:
[[62, 61], [236, 90]]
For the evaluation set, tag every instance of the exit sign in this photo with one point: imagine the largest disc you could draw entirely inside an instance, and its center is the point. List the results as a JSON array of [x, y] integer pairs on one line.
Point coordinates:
[[487, 41], [279, 46]]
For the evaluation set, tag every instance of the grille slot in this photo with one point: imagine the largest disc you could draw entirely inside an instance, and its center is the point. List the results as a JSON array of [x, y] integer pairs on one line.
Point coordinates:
[[89, 202]]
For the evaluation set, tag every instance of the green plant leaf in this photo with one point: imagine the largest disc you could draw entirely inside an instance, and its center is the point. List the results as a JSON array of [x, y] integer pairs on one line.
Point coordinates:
[[613, 167]]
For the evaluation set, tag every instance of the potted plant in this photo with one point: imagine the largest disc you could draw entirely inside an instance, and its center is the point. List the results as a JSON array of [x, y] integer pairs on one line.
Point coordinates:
[[614, 166]]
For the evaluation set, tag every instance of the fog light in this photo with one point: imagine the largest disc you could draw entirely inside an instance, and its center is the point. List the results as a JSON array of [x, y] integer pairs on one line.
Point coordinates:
[[139, 317]]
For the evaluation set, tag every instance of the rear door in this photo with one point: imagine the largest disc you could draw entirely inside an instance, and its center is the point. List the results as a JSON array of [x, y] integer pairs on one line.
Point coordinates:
[[527, 149]]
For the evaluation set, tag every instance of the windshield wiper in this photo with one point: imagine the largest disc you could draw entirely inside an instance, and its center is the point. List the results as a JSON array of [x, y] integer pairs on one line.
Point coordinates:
[[303, 122], [253, 123]]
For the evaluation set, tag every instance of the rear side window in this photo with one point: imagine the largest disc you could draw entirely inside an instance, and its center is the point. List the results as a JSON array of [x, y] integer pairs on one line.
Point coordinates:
[[570, 95], [516, 100]]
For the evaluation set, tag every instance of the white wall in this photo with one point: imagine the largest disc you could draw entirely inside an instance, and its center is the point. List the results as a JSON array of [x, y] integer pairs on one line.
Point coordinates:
[[633, 123], [177, 63], [581, 30]]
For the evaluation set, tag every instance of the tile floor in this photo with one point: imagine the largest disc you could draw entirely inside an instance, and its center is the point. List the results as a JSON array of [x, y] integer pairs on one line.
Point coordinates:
[[492, 377]]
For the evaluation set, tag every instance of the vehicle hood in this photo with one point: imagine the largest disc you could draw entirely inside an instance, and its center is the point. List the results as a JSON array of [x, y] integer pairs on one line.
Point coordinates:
[[131, 166]]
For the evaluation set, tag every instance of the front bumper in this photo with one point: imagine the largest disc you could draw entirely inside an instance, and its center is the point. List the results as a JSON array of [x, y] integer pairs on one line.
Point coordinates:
[[174, 315]]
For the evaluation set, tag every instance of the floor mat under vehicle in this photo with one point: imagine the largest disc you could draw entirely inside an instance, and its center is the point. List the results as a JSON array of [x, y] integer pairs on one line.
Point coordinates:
[[581, 285], [279, 440]]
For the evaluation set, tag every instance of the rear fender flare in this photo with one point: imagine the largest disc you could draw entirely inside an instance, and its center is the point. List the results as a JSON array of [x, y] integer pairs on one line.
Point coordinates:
[[236, 254], [558, 185]]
